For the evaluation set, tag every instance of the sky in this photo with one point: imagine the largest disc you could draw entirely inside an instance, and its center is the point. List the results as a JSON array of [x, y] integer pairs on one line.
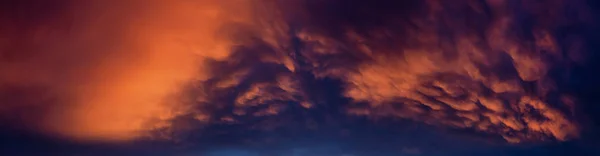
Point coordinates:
[[299, 77]]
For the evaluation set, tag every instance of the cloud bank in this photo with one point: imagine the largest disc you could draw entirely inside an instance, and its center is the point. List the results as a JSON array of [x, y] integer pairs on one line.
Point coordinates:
[[489, 66], [124, 70]]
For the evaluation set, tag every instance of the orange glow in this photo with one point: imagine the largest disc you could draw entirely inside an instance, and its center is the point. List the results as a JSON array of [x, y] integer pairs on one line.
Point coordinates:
[[114, 64]]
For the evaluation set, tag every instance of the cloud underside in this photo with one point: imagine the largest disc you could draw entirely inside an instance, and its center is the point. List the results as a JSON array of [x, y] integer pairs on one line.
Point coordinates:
[[154, 68]]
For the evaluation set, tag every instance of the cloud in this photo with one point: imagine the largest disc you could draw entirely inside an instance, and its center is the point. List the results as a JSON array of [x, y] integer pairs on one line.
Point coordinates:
[[124, 70], [490, 66], [104, 70]]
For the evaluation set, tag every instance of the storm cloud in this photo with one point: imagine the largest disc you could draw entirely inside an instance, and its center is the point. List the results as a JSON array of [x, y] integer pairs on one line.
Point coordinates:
[[125, 70]]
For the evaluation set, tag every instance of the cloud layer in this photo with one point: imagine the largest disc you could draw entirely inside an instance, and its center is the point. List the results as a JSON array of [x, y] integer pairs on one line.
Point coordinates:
[[121, 70], [489, 66], [103, 70]]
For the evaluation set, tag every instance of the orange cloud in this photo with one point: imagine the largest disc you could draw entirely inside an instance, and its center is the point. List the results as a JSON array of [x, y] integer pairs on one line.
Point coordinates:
[[467, 65], [123, 70], [113, 65]]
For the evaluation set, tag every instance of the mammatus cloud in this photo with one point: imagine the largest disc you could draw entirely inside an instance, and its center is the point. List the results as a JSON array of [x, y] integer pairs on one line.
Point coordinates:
[[121, 70], [489, 66]]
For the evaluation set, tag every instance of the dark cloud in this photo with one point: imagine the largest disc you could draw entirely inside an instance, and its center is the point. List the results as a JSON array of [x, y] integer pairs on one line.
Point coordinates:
[[483, 65]]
